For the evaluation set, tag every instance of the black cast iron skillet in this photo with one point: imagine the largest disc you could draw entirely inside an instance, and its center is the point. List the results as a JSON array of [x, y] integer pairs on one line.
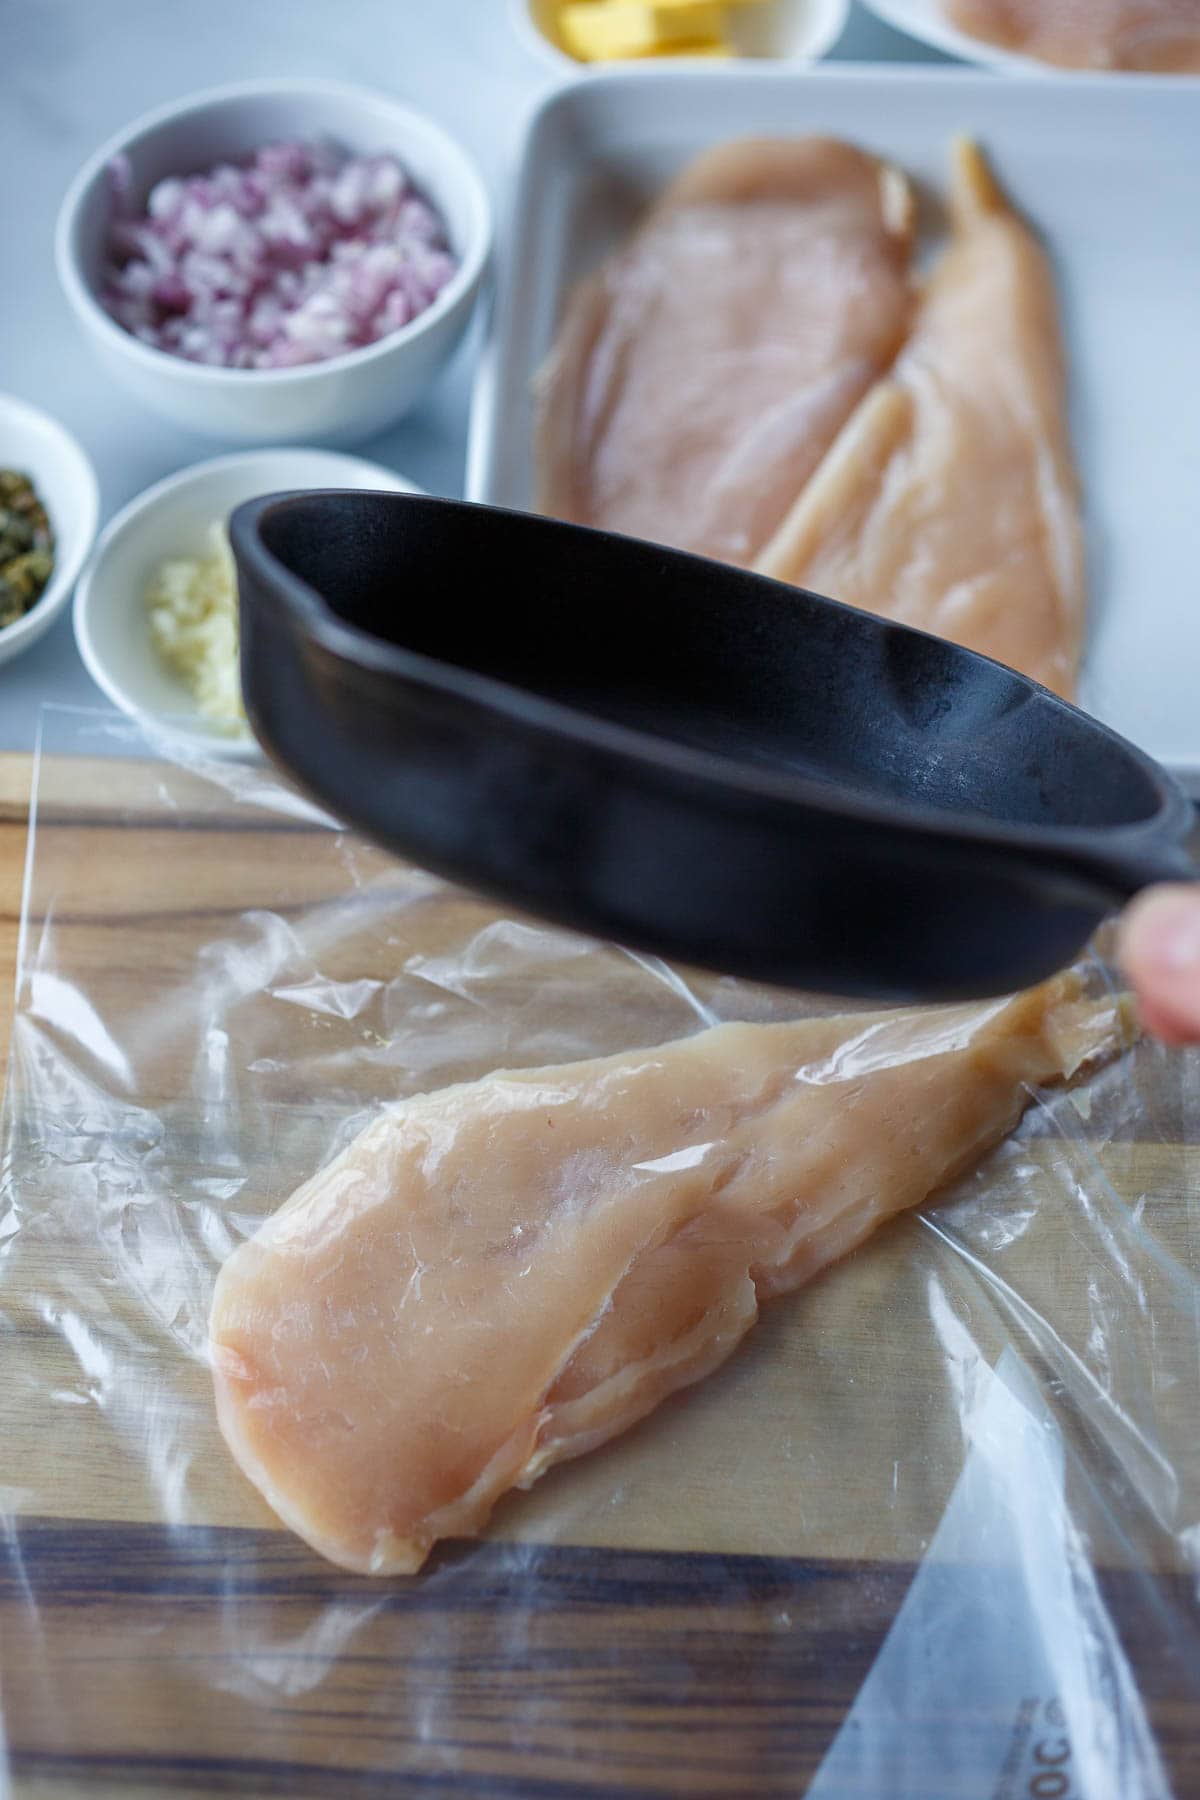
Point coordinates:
[[684, 757]]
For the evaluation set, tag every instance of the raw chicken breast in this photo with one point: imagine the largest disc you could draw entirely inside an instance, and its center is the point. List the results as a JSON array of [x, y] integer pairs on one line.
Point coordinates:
[[1156, 35], [950, 500], [699, 377], [504, 1274]]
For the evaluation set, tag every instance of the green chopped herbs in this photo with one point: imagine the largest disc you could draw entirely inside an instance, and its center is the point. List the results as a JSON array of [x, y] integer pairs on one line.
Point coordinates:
[[26, 546]]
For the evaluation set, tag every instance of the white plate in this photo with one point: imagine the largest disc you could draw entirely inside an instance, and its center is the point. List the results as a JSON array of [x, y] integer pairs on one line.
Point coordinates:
[[926, 21], [1105, 169], [170, 519]]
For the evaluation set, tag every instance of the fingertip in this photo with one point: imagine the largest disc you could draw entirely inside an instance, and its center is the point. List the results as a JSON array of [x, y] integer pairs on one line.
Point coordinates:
[[1158, 946]]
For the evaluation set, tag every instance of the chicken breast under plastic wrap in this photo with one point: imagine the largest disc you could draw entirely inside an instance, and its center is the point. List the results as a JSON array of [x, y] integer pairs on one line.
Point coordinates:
[[950, 499], [700, 375], [504, 1274], [1161, 36]]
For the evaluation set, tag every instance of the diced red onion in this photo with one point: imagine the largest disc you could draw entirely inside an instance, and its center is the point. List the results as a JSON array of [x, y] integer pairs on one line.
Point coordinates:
[[299, 255]]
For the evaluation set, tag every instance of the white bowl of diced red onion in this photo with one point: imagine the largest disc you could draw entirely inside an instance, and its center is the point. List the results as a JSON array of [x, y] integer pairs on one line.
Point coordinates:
[[276, 261]]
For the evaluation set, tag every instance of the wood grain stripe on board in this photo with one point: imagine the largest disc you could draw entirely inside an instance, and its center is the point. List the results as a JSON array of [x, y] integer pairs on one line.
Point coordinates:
[[531, 1672]]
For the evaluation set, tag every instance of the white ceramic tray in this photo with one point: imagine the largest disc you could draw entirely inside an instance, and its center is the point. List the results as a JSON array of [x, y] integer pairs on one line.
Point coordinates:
[[1106, 169]]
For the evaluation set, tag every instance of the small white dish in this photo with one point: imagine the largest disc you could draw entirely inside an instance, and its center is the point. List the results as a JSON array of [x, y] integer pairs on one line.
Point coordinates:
[[926, 21], [170, 519], [347, 397], [61, 472], [795, 31]]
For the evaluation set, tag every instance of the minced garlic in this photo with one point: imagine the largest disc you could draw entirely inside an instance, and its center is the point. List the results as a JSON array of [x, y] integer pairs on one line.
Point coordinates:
[[192, 604]]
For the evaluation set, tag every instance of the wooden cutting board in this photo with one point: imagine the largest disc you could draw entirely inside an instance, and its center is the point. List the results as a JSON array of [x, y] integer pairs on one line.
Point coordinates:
[[690, 1614]]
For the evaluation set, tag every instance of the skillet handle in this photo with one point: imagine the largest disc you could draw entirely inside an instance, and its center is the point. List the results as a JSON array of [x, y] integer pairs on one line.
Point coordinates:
[[1123, 876]]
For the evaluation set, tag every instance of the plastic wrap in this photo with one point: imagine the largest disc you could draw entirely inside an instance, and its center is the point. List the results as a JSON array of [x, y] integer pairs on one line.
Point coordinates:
[[934, 1529]]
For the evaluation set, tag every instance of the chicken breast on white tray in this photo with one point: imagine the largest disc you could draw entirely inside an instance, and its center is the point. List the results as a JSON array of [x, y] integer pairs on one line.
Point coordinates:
[[702, 372], [950, 499]]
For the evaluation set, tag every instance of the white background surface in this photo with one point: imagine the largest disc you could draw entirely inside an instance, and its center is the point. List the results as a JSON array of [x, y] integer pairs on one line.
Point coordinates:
[[74, 71]]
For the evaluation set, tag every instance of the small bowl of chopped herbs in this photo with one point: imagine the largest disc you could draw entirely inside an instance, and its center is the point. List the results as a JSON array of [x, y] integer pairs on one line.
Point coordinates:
[[156, 616], [49, 507]]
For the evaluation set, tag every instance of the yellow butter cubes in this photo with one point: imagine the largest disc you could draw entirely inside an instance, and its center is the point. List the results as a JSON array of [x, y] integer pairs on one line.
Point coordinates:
[[611, 30]]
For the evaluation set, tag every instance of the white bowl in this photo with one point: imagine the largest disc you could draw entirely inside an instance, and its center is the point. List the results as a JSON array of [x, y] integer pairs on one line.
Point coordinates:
[[346, 397], [797, 31], [172, 518], [39, 447]]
